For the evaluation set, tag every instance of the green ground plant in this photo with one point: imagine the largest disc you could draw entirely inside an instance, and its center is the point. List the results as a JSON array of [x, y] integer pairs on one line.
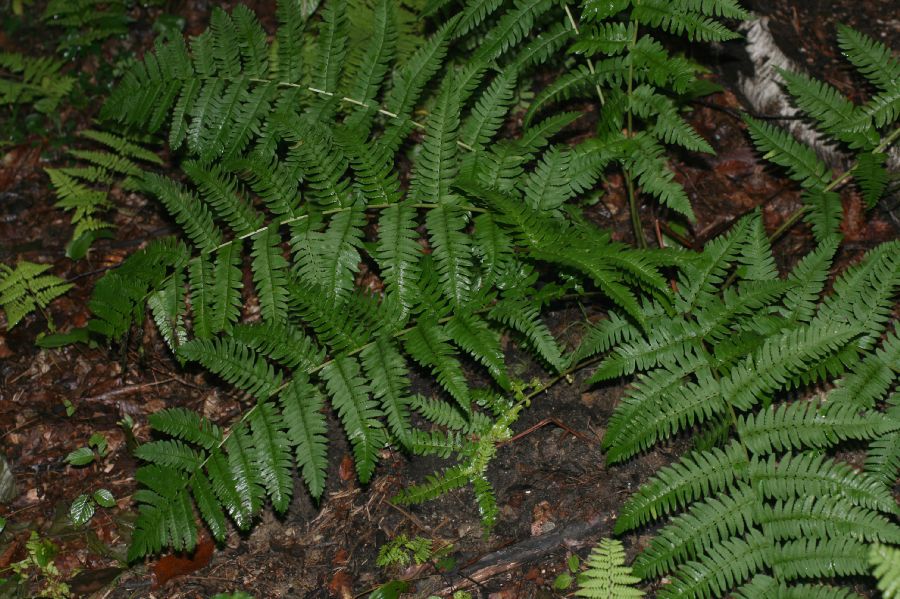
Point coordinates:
[[867, 131], [26, 288], [761, 504], [641, 88], [293, 151], [84, 188], [360, 169]]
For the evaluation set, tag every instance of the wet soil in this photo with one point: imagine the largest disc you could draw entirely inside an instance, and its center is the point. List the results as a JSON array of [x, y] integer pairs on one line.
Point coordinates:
[[556, 495]]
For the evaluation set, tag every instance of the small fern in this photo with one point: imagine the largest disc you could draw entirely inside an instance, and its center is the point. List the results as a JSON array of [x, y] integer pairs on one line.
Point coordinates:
[[84, 189], [867, 130], [25, 288], [607, 577], [86, 21], [30, 80]]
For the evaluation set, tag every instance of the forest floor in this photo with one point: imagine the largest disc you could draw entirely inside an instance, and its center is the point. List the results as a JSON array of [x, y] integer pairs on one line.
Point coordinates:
[[557, 497]]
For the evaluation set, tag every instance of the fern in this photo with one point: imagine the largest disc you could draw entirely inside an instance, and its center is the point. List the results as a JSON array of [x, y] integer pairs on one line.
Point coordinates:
[[631, 75], [87, 21], [767, 502], [607, 577], [84, 189], [865, 129], [25, 288], [293, 159], [31, 80]]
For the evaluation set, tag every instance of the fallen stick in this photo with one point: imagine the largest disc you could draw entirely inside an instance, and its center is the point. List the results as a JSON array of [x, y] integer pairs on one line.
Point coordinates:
[[523, 552]]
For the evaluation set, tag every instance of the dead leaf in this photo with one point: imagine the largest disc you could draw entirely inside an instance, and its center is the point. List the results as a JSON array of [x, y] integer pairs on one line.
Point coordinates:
[[347, 470], [172, 566], [340, 585]]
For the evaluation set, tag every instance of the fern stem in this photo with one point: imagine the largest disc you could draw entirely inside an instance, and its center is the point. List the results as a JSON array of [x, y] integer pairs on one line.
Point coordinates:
[[590, 63], [797, 215], [633, 208], [629, 131]]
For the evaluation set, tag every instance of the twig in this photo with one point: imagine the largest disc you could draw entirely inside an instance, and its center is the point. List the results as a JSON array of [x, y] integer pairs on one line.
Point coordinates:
[[518, 554]]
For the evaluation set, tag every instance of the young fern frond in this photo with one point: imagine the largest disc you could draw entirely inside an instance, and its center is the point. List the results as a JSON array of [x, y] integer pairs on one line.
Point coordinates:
[[607, 577], [25, 288]]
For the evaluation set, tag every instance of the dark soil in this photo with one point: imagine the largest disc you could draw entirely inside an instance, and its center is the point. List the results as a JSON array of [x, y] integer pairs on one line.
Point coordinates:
[[556, 495]]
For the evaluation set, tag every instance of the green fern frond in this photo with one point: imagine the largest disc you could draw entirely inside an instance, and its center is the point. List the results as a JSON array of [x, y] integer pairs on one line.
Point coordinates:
[[676, 18], [171, 454], [871, 175], [723, 566], [836, 115], [386, 368], [452, 252], [779, 359], [36, 80], [427, 343], [271, 454], [167, 307], [696, 475], [225, 305], [523, 316], [25, 288], [200, 273], [781, 148], [606, 576], [280, 342], [824, 518], [763, 585], [186, 209], [811, 558], [807, 281], [473, 335], [808, 474], [703, 525], [165, 518], [489, 111], [511, 28], [219, 189], [872, 58], [270, 274]]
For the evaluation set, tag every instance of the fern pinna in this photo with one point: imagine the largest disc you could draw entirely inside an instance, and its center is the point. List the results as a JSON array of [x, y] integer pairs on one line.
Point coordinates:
[[868, 130], [759, 503], [291, 169]]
